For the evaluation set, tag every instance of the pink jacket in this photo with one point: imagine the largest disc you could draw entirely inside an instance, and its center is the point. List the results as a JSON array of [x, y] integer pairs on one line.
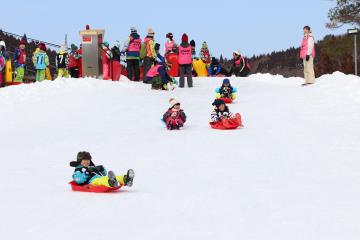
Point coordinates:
[[154, 71], [169, 45], [307, 46], [185, 55]]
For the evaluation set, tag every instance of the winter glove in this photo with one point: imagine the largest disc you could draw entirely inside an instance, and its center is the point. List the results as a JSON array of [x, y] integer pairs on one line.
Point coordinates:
[[307, 58], [100, 168]]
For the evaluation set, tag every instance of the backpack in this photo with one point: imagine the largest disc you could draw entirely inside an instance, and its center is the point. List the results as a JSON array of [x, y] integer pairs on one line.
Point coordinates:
[[143, 50]]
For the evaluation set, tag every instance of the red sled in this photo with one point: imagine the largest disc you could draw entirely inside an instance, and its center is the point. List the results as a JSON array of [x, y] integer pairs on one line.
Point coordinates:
[[228, 124], [92, 188], [172, 59], [115, 70], [227, 100]]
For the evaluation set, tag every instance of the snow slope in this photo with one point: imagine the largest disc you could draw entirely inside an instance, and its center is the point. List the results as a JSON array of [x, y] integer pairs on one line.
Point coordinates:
[[292, 173]]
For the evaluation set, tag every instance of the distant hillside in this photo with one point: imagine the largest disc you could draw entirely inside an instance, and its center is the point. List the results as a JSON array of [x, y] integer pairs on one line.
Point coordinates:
[[334, 53]]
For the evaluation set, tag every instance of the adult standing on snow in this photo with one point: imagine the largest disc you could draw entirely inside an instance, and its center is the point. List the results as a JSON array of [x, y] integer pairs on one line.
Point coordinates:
[[307, 54], [170, 44], [132, 48], [150, 56], [185, 61]]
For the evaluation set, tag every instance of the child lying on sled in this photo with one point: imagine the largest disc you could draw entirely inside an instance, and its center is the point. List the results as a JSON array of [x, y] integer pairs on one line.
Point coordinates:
[[87, 173], [226, 91], [174, 116]]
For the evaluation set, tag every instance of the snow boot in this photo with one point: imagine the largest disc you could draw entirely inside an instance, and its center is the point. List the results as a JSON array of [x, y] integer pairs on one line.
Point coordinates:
[[112, 179], [129, 178]]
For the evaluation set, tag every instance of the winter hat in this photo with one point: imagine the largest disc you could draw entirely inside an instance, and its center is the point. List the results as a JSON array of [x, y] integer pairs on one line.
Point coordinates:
[[173, 102], [73, 47], [214, 61], [22, 42], [42, 47], [226, 81], [204, 45], [184, 38], [157, 46], [106, 44], [117, 44], [170, 36], [151, 32], [218, 102], [237, 52], [192, 43], [82, 156], [133, 30], [63, 48], [2, 43]]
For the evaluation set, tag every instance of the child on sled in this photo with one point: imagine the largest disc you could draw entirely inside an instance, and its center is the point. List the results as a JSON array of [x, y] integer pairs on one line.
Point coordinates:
[[174, 117], [86, 172], [226, 91], [222, 118]]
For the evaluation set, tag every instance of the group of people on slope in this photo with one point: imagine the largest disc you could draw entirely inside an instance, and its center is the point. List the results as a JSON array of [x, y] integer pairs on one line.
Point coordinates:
[[40, 60], [153, 62], [69, 63], [147, 53]]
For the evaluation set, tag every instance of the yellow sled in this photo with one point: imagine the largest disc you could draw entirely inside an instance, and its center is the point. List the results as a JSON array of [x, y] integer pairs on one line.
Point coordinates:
[[200, 68], [48, 74], [8, 72]]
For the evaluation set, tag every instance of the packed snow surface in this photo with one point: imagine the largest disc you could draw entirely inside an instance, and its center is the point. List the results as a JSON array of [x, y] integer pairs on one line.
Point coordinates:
[[293, 171]]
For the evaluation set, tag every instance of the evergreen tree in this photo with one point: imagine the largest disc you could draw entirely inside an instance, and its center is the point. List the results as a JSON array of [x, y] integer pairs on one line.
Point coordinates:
[[345, 12], [221, 61]]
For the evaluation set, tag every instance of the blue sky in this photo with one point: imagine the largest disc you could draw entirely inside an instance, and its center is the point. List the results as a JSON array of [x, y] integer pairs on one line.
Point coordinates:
[[254, 27]]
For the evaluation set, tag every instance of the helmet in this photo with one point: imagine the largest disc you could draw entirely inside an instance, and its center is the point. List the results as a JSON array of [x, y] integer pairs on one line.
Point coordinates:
[[133, 30], [2, 43]]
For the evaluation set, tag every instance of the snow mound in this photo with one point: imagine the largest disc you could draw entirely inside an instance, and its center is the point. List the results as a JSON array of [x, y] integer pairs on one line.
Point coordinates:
[[293, 172]]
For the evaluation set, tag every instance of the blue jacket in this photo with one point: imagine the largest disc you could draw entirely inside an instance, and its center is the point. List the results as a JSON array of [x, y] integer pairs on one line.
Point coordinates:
[[84, 175], [211, 70], [16, 57]]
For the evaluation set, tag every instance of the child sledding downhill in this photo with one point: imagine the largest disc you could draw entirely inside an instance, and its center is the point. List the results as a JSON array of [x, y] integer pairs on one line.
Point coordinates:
[[222, 118], [174, 117], [226, 92], [87, 173]]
